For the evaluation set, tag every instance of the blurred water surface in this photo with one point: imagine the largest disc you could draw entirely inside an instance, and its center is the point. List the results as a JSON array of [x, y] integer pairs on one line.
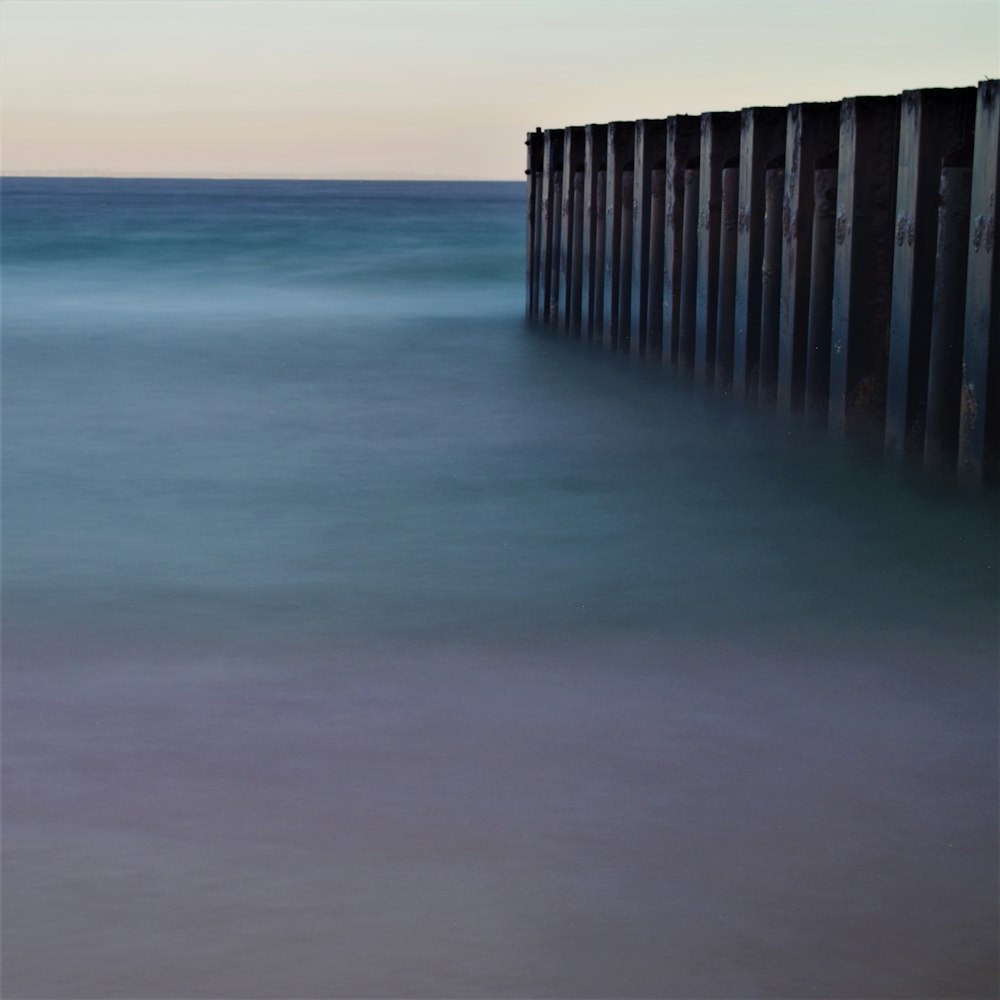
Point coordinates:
[[361, 642]]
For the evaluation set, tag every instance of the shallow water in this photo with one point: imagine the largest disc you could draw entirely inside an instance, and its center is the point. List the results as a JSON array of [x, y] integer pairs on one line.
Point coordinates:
[[361, 642]]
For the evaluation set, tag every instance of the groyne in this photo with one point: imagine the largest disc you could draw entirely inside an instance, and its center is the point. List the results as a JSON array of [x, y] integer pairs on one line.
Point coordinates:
[[834, 260]]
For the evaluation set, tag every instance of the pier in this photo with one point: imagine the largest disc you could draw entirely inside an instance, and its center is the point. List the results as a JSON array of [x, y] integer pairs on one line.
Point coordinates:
[[830, 260]]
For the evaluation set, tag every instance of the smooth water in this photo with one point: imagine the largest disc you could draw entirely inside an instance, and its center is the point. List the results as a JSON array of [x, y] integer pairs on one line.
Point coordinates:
[[362, 642]]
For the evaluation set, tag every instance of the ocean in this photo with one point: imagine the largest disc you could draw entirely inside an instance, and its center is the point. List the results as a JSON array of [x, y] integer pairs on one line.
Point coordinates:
[[362, 641]]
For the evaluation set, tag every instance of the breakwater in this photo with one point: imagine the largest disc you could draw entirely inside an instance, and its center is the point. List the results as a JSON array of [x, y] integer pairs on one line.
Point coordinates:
[[830, 259]]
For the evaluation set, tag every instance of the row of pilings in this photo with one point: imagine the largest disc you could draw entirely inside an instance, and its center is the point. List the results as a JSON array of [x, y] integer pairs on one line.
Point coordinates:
[[830, 259]]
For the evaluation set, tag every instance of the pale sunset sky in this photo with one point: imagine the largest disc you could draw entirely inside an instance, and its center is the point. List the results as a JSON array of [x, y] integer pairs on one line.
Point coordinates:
[[338, 89]]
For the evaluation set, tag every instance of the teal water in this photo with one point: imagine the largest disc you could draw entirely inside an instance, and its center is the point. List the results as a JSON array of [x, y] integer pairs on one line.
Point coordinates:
[[360, 641]]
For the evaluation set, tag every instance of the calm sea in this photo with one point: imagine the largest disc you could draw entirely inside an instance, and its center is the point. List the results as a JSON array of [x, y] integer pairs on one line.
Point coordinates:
[[362, 642]]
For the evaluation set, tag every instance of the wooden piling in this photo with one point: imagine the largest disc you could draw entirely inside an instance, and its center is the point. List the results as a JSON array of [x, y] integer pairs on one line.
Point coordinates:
[[720, 138], [808, 257], [821, 290], [555, 258], [573, 161], [979, 432], [867, 163], [683, 134], [595, 153], [533, 176], [625, 263], [619, 155], [539, 240], [600, 260], [726, 311], [689, 273], [944, 381], [649, 154], [575, 306], [811, 132], [552, 155], [761, 384], [654, 300], [762, 143], [932, 123]]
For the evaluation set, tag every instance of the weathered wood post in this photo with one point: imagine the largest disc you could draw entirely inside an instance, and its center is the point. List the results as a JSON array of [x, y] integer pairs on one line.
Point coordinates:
[[620, 153], [551, 164], [821, 289], [595, 152], [720, 144], [811, 133], [979, 433], [533, 176], [600, 252], [576, 258], [689, 272], [770, 287], [555, 260], [654, 303], [726, 311], [683, 142], [944, 381], [539, 244], [867, 162], [932, 123], [573, 161], [625, 262], [762, 142], [650, 153]]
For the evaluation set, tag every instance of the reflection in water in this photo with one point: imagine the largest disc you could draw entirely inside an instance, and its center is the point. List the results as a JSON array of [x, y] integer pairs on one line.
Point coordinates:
[[361, 643]]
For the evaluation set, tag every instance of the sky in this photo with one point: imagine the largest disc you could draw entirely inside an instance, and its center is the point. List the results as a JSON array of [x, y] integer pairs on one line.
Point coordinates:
[[373, 89]]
